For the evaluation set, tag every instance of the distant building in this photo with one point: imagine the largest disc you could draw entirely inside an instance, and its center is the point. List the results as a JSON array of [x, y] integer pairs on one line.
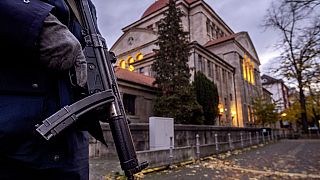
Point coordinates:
[[225, 57], [279, 91], [267, 95]]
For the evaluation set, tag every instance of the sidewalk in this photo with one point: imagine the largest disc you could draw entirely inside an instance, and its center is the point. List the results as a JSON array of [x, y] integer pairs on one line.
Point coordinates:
[[105, 166]]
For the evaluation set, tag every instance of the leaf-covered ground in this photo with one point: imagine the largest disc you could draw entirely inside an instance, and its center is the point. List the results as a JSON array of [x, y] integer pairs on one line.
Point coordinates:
[[287, 159]]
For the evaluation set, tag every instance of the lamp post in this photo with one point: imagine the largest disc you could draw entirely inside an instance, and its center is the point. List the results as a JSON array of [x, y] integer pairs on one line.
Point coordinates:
[[233, 115], [283, 115]]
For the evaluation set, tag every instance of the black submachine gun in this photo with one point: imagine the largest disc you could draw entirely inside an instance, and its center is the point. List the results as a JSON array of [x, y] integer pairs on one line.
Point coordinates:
[[103, 92]]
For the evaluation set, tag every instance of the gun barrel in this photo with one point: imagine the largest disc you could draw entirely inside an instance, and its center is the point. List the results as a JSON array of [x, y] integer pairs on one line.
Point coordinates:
[[99, 57]]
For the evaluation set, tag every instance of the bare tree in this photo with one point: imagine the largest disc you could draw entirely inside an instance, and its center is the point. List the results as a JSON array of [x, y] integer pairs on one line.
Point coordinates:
[[299, 43], [302, 4]]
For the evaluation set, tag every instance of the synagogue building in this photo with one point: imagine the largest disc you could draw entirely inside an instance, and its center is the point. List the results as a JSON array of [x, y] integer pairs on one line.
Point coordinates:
[[226, 57]]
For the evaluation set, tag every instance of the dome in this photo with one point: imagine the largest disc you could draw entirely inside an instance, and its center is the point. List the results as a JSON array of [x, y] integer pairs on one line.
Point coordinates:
[[159, 4]]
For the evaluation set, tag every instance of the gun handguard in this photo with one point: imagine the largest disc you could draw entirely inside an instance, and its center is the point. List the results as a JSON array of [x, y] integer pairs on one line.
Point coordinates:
[[68, 115]]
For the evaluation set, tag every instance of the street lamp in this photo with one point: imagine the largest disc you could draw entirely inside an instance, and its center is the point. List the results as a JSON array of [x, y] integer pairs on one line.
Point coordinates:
[[233, 115], [283, 122]]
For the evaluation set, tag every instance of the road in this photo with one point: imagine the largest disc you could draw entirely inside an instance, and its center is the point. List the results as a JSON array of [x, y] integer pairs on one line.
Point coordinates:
[[286, 159]]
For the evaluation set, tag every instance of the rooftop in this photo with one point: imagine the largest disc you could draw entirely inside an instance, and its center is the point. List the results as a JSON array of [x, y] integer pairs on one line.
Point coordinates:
[[127, 75], [222, 39], [159, 4]]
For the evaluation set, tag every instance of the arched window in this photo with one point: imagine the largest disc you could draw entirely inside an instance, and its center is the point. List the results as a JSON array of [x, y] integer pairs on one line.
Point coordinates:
[[248, 69], [130, 62], [252, 72], [139, 56], [122, 64]]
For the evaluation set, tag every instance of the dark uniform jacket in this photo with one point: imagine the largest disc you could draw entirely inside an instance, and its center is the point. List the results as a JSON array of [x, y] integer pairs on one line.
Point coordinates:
[[29, 93]]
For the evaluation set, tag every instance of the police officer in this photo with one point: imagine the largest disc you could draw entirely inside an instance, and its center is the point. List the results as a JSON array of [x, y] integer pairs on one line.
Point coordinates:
[[38, 53]]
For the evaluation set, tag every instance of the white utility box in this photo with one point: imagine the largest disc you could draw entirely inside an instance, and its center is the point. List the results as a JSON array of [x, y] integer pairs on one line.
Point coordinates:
[[160, 131]]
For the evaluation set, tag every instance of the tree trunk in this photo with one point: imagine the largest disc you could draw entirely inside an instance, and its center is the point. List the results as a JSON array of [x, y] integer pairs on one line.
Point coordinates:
[[303, 107]]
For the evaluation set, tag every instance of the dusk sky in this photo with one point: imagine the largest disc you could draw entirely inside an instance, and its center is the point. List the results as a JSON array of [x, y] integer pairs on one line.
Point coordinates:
[[240, 15]]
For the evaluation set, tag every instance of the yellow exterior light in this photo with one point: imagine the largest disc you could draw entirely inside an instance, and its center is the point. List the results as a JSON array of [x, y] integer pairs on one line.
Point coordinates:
[[221, 109], [284, 114], [233, 114]]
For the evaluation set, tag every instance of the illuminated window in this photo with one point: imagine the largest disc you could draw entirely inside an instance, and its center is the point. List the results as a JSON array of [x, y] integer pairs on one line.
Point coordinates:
[[248, 69], [252, 73], [122, 64], [244, 70], [130, 61], [139, 56]]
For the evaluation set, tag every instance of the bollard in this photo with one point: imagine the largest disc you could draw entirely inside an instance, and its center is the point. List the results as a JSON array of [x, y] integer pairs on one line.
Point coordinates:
[[230, 141], [197, 147], [309, 133], [217, 143], [318, 133], [269, 138], [285, 134], [263, 138], [171, 152], [250, 139], [241, 139], [257, 133], [272, 134]]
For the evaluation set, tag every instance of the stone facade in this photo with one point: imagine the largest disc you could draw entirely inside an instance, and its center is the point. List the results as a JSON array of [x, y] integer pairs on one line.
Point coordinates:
[[137, 92], [227, 58]]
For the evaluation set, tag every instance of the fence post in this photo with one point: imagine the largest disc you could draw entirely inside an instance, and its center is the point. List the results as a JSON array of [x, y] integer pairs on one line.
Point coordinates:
[[217, 143], [257, 133], [171, 152], [230, 141], [241, 139], [250, 138], [269, 138], [197, 147], [285, 134], [309, 132], [263, 138]]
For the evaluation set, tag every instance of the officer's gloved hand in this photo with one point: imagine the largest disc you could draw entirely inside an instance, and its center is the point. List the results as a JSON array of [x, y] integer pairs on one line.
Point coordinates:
[[61, 50]]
